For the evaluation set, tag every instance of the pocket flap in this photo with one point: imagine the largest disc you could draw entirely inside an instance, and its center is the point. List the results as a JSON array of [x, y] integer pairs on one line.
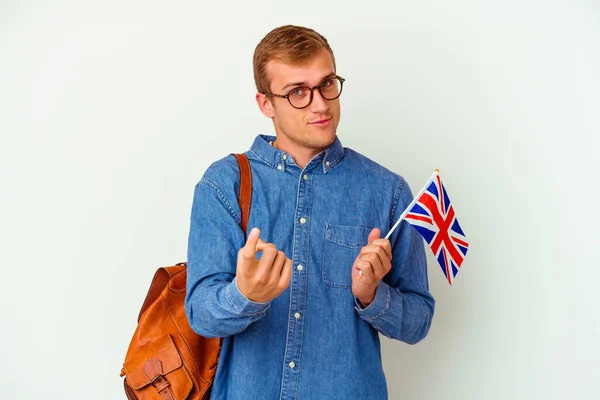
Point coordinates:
[[342, 246], [158, 357], [349, 236]]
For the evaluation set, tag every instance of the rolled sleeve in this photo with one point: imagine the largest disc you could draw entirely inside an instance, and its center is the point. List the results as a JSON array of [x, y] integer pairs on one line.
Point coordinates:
[[380, 305]]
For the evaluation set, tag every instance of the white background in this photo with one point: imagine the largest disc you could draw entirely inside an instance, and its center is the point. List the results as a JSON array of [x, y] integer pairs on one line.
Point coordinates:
[[111, 111]]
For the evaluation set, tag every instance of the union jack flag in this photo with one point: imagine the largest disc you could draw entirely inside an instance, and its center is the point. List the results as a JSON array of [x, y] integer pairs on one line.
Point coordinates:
[[433, 216]]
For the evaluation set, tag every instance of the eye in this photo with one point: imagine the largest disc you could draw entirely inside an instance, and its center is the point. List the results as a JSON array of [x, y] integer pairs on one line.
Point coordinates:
[[327, 83], [297, 92]]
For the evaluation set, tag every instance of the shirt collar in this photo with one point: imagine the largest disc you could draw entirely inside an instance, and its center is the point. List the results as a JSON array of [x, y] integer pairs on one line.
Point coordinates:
[[279, 159]]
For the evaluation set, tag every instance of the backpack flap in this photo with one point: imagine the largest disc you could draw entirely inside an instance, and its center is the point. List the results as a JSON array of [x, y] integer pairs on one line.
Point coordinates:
[[155, 367]]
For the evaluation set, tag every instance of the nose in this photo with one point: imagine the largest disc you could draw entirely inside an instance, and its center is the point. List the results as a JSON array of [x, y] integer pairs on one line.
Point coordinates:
[[319, 104]]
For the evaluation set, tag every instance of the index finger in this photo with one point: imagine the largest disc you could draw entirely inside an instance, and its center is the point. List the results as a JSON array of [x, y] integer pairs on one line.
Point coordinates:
[[260, 245], [385, 245]]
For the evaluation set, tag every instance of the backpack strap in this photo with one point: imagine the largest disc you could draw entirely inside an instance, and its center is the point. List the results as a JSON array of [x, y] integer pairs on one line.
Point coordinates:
[[245, 194]]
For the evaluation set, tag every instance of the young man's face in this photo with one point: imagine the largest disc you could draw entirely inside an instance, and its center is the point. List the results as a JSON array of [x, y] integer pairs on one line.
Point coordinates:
[[308, 130]]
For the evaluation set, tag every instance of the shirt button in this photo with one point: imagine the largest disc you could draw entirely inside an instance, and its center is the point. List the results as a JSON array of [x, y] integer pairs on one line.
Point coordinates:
[[299, 267], [297, 315], [327, 163], [292, 364], [284, 157], [302, 220], [279, 167], [305, 177]]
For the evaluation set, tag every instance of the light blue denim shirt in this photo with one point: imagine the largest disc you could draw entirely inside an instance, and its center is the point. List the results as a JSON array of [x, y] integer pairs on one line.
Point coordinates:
[[314, 341]]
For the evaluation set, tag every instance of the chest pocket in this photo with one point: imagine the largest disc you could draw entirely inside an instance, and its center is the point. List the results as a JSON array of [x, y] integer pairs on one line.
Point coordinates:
[[342, 245]]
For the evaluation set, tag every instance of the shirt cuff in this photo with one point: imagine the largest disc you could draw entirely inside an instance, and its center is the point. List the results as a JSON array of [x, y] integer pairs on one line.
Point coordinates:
[[241, 303], [379, 306]]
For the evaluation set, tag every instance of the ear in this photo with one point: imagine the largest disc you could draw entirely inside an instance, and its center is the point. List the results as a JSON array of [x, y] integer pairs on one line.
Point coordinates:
[[265, 105]]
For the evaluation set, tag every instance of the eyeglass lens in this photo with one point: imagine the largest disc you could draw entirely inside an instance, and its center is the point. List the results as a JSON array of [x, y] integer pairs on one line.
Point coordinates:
[[301, 96]]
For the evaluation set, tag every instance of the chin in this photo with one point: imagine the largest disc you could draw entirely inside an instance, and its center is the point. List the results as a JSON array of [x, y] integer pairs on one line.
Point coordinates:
[[323, 139]]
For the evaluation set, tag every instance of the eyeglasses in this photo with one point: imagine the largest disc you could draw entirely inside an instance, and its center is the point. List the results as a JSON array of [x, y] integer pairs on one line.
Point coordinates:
[[301, 97]]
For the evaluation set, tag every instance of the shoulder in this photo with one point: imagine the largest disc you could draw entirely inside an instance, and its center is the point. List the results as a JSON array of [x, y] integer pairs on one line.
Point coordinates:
[[373, 169], [220, 181], [223, 172]]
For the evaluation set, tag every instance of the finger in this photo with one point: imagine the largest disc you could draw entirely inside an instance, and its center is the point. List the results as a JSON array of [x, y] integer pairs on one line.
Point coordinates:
[[248, 251], [365, 270], [269, 253], [385, 245], [276, 267], [286, 275], [260, 245], [375, 234], [375, 249], [378, 261]]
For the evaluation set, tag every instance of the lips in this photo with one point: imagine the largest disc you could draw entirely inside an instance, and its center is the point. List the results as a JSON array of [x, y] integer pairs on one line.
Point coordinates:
[[321, 122]]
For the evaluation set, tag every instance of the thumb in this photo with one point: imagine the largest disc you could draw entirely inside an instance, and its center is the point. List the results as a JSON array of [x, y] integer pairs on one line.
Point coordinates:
[[375, 234], [251, 243]]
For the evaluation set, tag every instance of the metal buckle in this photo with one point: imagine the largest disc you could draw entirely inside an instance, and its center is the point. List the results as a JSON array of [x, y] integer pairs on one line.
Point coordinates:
[[160, 383]]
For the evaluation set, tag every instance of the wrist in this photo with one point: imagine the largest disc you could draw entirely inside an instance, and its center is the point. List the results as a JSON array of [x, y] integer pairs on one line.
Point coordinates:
[[367, 300], [246, 293], [249, 295]]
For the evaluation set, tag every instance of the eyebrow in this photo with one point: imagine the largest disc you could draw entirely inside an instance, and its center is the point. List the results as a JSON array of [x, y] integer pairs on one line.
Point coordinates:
[[331, 75]]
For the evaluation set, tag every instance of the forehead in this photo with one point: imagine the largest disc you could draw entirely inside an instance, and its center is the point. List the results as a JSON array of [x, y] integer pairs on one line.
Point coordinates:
[[311, 72]]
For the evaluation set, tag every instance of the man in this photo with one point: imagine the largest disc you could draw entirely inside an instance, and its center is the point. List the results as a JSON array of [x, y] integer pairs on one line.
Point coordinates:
[[301, 320]]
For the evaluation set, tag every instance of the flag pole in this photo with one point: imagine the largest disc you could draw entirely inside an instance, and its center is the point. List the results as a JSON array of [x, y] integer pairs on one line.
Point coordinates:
[[415, 199]]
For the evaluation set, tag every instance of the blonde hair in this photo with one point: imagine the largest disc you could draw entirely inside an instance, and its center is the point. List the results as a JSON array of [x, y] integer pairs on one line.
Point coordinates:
[[290, 44]]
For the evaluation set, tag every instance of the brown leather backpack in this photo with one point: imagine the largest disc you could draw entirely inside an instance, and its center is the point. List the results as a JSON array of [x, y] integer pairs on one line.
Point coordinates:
[[166, 359]]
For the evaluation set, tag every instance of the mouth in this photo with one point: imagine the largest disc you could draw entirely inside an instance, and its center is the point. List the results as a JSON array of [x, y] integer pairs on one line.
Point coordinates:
[[321, 122]]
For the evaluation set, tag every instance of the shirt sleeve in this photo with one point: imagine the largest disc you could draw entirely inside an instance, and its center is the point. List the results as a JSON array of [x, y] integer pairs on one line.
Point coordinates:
[[214, 305], [403, 307]]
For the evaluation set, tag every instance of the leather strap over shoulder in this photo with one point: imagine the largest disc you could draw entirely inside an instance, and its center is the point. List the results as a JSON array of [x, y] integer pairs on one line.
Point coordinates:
[[245, 194]]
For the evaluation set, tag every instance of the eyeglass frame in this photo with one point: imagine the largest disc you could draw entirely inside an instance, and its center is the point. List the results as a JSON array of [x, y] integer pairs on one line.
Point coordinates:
[[319, 86]]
